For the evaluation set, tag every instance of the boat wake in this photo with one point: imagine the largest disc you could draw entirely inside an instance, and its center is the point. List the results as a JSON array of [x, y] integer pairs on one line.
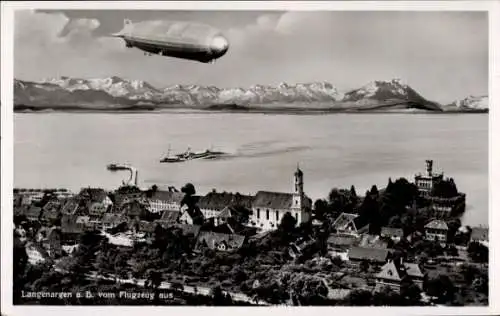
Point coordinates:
[[250, 150]]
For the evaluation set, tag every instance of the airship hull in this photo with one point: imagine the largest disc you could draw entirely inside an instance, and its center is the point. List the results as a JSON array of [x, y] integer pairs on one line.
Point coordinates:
[[172, 49], [183, 40]]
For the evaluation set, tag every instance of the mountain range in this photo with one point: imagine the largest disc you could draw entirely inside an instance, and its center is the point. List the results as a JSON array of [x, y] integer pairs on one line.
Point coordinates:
[[115, 93]]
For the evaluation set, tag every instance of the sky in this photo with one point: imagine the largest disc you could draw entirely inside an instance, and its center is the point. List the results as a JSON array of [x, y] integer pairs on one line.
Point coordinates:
[[442, 55]]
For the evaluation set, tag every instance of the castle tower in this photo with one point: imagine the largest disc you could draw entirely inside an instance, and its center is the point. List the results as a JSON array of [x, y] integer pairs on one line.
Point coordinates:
[[428, 164]]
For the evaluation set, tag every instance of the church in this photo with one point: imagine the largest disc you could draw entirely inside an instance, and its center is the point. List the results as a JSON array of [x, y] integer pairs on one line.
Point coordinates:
[[269, 208]]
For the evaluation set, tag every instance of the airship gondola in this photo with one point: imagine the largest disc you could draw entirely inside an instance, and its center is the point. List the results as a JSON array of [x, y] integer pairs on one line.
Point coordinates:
[[185, 40]]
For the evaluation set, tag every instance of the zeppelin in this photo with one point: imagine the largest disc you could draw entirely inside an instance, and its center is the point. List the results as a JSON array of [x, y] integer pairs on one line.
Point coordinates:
[[185, 40]]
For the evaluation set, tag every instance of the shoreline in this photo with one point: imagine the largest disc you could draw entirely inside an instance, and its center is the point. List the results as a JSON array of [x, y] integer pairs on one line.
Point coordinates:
[[276, 111]]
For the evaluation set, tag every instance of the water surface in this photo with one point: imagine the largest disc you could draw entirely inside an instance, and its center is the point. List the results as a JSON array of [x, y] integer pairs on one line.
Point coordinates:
[[72, 150]]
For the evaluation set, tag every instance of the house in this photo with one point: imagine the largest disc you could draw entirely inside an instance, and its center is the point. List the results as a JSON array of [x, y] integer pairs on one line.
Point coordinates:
[[339, 245], [436, 230], [350, 224], [93, 194], [480, 235], [17, 200], [147, 227], [96, 200], [36, 254], [371, 255], [393, 273], [98, 209], [138, 210], [372, 241], [223, 216], [165, 201], [189, 230], [219, 242], [70, 229], [50, 212], [87, 222], [72, 206], [122, 197], [414, 236], [213, 203], [396, 234], [192, 216], [112, 220], [296, 249], [33, 213], [50, 240], [20, 211], [26, 200], [169, 218]]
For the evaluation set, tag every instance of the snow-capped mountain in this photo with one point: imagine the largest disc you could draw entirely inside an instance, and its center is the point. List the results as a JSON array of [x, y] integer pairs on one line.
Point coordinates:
[[115, 92], [115, 86], [473, 102], [384, 90], [49, 94]]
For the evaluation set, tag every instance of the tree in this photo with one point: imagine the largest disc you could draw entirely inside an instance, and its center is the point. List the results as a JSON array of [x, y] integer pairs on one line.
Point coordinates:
[[359, 298], [287, 224], [220, 298], [153, 281], [364, 266], [453, 226], [188, 189], [154, 188], [353, 192], [410, 292], [478, 252], [120, 265], [441, 287], [321, 209], [369, 211]]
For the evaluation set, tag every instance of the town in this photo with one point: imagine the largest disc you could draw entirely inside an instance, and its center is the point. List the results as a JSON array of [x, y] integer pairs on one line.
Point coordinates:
[[399, 245]]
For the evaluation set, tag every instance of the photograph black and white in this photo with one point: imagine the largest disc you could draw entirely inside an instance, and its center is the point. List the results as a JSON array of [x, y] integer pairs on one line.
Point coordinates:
[[237, 157]]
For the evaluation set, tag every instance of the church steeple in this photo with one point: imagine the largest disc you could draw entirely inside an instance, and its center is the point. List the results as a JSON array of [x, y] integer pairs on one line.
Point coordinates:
[[299, 181]]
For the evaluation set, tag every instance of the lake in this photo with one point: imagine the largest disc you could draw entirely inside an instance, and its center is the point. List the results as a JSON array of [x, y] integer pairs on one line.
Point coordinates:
[[337, 150]]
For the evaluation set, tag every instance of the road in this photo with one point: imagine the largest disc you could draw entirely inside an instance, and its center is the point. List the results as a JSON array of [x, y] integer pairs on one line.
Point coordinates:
[[235, 296]]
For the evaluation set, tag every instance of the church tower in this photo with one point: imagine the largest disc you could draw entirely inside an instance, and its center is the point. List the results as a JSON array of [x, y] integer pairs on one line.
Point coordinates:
[[298, 196], [299, 181]]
